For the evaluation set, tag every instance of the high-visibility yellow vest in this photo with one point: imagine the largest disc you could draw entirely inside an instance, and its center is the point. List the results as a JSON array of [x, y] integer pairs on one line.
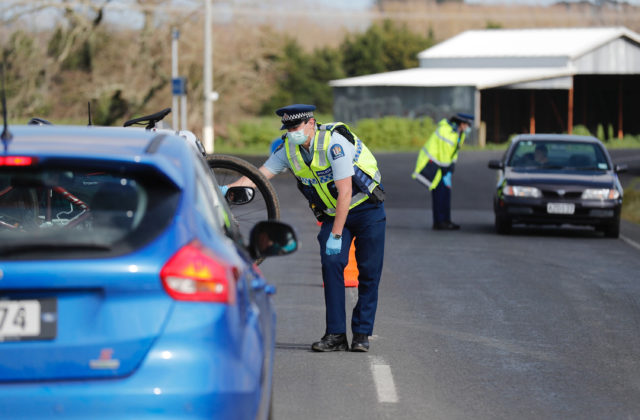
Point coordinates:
[[316, 179], [438, 153]]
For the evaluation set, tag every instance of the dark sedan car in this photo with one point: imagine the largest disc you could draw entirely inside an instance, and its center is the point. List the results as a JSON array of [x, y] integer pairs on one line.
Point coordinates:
[[557, 179]]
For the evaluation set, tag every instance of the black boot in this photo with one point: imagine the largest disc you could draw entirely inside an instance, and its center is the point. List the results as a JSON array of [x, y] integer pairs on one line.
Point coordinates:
[[331, 342], [446, 226], [360, 342]]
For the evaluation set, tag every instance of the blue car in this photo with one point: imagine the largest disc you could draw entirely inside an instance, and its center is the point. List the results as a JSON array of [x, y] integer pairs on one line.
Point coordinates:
[[125, 289]]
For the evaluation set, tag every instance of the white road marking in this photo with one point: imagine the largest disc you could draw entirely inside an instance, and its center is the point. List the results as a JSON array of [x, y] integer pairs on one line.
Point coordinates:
[[630, 242], [384, 381]]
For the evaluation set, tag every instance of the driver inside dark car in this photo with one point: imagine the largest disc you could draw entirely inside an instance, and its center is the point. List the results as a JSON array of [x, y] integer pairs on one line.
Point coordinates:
[[540, 155]]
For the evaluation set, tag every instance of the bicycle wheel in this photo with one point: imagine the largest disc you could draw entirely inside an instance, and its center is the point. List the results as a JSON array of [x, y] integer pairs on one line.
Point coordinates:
[[265, 204]]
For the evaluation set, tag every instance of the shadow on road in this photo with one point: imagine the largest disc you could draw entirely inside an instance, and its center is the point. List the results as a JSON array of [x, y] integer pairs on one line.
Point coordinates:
[[293, 346], [554, 231]]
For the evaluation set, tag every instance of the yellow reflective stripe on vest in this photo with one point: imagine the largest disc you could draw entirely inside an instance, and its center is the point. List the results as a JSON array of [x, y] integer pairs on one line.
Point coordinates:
[[443, 138]]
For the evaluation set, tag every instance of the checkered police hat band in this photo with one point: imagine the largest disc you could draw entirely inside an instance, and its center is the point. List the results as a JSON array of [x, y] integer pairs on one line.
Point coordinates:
[[298, 116]]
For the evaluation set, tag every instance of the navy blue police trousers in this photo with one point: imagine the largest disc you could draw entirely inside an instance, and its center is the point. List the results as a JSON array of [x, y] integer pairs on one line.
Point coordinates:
[[441, 203], [366, 223]]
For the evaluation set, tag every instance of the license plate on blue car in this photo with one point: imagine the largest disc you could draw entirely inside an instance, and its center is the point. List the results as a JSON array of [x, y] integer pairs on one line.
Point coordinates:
[[28, 319], [561, 208]]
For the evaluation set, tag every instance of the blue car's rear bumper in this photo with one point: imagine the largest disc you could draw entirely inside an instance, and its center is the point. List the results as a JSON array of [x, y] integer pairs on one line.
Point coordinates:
[[196, 369]]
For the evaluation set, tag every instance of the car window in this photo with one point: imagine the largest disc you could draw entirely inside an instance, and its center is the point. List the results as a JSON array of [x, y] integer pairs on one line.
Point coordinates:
[[103, 209], [558, 155], [210, 202]]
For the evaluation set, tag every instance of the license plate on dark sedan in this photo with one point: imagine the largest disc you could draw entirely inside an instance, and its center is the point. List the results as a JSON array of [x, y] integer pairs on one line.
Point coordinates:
[[561, 208], [28, 319]]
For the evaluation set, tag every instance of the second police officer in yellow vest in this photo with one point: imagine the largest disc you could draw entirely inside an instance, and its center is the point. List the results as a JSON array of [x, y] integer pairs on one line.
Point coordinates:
[[339, 177], [436, 162]]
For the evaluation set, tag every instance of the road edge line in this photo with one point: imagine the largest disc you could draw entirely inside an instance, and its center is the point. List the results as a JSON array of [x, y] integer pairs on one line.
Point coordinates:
[[631, 242]]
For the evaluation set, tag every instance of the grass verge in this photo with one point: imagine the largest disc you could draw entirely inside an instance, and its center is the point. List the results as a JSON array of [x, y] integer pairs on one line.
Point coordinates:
[[631, 202]]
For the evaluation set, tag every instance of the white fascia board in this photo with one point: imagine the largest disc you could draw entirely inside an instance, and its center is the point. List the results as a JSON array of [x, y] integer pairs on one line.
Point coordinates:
[[484, 78]]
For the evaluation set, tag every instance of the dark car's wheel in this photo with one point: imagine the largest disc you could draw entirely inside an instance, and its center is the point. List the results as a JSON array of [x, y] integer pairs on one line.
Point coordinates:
[[503, 225], [611, 230]]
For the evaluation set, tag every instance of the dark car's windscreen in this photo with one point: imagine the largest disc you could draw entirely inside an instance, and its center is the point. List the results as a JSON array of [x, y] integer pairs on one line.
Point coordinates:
[[79, 210], [558, 155]]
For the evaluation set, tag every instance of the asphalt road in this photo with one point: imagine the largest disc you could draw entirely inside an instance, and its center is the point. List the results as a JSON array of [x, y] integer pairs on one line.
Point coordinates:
[[540, 324]]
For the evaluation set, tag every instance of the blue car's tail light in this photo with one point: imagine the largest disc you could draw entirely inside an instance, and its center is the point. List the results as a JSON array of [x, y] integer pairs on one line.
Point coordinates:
[[17, 160], [194, 273]]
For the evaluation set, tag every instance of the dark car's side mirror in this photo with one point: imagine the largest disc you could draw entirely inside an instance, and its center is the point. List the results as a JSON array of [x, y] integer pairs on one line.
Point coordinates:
[[622, 167], [239, 195], [496, 164], [271, 238]]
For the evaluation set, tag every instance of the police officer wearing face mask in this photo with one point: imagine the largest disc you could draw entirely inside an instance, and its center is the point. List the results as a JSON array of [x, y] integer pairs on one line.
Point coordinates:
[[339, 177], [435, 164]]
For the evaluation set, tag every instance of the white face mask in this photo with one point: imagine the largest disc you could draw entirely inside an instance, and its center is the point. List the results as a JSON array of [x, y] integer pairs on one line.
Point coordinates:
[[467, 130], [297, 137]]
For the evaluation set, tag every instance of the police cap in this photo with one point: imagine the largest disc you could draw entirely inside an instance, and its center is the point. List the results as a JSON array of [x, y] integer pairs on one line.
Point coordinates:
[[461, 117], [292, 115]]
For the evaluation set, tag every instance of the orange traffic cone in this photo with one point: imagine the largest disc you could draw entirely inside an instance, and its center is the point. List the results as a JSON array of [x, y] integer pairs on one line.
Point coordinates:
[[351, 270]]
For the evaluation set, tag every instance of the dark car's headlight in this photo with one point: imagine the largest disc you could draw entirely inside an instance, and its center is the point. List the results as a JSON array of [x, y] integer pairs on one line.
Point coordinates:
[[521, 191], [600, 194]]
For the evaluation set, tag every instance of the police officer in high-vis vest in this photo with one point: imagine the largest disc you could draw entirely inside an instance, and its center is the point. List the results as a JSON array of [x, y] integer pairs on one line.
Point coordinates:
[[435, 164], [339, 177]]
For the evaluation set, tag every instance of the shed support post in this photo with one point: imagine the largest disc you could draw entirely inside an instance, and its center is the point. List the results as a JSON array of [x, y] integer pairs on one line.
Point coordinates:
[[532, 113], [620, 93], [570, 111]]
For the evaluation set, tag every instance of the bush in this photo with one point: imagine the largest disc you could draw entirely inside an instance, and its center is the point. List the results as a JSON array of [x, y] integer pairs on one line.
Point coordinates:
[[251, 136], [254, 135], [600, 133], [581, 130], [631, 202], [395, 133]]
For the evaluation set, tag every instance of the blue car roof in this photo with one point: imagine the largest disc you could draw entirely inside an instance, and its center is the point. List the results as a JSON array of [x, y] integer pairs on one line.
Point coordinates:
[[127, 145]]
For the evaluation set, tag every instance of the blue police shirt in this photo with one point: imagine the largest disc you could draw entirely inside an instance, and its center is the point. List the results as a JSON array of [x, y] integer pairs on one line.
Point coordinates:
[[340, 155]]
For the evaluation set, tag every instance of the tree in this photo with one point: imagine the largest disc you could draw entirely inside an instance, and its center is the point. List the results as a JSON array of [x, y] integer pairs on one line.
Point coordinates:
[[83, 60], [303, 78], [381, 48]]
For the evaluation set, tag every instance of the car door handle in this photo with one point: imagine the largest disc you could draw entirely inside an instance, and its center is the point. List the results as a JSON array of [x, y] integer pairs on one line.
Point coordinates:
[[261, 284], [258, 284]]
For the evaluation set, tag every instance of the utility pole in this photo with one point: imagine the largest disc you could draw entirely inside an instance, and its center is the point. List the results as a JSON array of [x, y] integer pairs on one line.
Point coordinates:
[[178, 88], [175, 35], [209, 94]]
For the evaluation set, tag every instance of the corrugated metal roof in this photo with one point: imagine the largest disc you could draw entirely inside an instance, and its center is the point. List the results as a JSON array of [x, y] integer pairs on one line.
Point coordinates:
[[482, 78], [554, 42]]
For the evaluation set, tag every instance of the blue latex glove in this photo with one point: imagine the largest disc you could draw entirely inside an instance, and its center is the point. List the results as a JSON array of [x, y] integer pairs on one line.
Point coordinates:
[[223, 189], [333, 246], [447, 180]]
